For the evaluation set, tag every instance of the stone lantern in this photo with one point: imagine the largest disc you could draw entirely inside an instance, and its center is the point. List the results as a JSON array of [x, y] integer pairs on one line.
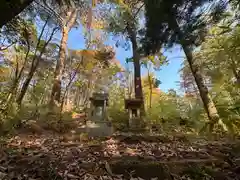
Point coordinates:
[[98, 124], [99, 103], [133, 107]]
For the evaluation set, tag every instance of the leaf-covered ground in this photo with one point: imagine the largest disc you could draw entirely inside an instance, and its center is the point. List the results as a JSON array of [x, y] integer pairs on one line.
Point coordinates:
[[53, 157]]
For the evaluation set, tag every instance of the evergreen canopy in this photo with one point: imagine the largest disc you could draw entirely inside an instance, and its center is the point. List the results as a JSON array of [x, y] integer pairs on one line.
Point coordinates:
[[178, 21]]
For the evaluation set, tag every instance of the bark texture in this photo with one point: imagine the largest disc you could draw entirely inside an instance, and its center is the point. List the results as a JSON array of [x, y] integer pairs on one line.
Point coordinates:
[[137, 68], [208, 103], [56, 89], [150, 82]]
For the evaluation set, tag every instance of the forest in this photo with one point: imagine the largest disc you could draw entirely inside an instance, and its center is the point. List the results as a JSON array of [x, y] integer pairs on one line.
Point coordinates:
[[74, 110]]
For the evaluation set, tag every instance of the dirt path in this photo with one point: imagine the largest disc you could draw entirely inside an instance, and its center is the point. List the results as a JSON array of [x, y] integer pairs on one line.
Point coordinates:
[[119, 157]]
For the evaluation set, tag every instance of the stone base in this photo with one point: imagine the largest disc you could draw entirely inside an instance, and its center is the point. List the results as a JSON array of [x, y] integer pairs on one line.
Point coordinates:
[[99, 129], [134, 122]]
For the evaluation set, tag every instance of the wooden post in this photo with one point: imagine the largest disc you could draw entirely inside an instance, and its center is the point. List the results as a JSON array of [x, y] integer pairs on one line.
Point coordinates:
[[91, 111], [130, 117], [138, 113], [104, 110]]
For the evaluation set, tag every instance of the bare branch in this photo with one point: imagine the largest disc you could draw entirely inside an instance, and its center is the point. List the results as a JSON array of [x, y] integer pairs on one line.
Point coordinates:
[[6, 47]]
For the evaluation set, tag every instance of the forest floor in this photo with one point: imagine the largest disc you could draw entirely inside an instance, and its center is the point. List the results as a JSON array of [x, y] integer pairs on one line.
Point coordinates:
[[50, 156]]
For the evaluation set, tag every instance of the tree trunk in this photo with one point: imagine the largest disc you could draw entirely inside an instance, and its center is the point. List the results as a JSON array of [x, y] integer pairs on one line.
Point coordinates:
[[35, 63], [12, 93], [25, 85], [137, 68], [208, 103], [236, 73], [56, 89], [18, 75], [150, 89], [203, 90], [238, 78], [66, 92]]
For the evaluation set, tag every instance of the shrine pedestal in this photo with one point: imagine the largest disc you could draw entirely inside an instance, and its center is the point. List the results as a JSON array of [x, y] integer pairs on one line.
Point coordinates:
[[99, 129]]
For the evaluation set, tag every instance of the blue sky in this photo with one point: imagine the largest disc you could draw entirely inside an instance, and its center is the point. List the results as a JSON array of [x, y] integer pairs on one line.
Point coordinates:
[[168, 74]]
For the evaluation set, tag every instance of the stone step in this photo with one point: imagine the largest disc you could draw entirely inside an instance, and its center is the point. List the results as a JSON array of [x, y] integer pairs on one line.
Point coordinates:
[[96, 129]]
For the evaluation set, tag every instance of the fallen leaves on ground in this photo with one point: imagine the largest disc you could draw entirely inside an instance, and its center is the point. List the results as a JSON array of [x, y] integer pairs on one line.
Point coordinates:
[[48, 156]]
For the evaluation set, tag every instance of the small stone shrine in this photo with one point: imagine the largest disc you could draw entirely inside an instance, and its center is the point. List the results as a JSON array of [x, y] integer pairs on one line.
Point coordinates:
[[133, 106], [99, 102], [98, 124]]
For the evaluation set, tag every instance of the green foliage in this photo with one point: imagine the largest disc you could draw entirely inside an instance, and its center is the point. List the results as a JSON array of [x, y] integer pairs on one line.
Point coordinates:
[[218, 61], [96, 68], [116, 110], [175, 113], [20, 30], [181, 22], [10, 118]]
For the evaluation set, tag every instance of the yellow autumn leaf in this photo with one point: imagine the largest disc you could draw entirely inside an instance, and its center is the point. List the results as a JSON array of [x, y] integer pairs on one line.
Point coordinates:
[[151, 58], [89, 66], [98, 25]]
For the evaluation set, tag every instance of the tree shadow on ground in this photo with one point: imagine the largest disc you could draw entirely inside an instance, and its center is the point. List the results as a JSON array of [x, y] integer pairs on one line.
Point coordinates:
[[50, 156]]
